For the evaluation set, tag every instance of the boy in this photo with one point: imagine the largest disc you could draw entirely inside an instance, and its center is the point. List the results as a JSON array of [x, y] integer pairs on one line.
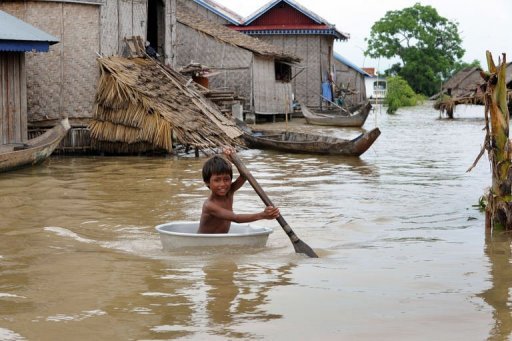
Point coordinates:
[[217, 213]]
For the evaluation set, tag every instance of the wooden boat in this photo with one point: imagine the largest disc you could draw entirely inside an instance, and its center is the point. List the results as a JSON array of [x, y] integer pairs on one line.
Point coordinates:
[[295, 142], [183, 234], [339, 117], [34, 151]]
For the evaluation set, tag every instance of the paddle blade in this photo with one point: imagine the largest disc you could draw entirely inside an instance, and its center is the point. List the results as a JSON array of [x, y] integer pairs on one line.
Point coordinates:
[[301, 247]]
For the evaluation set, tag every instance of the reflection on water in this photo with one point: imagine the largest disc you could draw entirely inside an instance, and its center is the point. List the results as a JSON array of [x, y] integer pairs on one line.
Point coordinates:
[[497, 248], [213, 300], [400, 240]]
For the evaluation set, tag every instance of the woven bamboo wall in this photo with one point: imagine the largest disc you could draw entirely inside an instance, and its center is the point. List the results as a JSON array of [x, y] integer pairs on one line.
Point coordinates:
[[270, 96], [120, 19], [209, 15], [348, 77], [13, 98], [314, 51], [234, 63], [61, 82]]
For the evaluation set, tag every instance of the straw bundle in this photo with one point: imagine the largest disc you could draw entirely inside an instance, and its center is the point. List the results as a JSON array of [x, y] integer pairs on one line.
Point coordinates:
[[141, 105]]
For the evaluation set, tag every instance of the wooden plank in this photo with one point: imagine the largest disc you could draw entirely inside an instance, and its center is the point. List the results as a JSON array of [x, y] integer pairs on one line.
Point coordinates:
[[16, 97], [23, 97], [10, 100], [3, 106]]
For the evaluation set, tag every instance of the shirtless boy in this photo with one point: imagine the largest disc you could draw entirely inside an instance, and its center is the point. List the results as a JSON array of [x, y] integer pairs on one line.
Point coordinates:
[[217, 213]]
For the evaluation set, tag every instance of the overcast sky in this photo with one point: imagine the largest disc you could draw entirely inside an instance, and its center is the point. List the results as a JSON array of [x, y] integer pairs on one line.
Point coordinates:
[[483, 24]]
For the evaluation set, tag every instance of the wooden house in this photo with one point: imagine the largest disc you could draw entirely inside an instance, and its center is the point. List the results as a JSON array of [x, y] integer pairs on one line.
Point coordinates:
[[349, 80], [16, 39], [63, 82], [256, 70], [288, 25]]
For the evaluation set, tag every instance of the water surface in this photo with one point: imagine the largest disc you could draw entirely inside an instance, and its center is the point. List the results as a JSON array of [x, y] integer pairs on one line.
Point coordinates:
[[402, 245]]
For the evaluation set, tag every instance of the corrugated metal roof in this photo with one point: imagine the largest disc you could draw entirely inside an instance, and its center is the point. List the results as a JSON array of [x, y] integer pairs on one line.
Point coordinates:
[[19, 36], [347, 62]]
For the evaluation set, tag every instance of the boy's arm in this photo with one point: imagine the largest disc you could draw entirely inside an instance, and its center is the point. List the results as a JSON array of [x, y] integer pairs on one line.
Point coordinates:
[[221, 213], [239, 182]]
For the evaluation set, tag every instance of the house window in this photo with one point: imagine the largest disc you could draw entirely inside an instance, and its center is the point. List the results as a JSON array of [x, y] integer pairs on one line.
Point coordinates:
[[283, 71]]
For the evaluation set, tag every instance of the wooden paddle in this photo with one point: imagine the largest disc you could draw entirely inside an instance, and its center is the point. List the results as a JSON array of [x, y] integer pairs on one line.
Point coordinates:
[[299, 245]]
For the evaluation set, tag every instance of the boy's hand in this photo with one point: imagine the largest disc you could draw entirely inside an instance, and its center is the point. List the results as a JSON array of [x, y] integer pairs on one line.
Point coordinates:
[[228, 151], [271, 212]]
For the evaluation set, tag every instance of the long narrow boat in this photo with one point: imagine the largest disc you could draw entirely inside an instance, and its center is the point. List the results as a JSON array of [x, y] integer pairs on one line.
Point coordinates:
[[339, 117], [33, 151], [295, 142]]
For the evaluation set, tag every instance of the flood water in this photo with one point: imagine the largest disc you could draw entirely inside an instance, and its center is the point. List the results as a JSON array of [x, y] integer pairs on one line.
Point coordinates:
[[402, 245]]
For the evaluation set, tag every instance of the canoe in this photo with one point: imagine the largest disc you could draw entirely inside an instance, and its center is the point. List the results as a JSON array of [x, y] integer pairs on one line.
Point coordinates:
[[33, 151], [340, 117], [294, 142], [183, 234]]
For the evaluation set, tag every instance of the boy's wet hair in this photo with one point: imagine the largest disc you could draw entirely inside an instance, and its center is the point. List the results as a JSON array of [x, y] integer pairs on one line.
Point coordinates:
[[216, 165]]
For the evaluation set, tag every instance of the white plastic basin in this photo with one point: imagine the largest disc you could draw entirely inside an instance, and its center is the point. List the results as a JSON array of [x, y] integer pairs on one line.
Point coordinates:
[[181, 234]]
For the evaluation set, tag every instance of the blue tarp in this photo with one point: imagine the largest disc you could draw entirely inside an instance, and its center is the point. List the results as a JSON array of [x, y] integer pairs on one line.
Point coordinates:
[[327, 91]]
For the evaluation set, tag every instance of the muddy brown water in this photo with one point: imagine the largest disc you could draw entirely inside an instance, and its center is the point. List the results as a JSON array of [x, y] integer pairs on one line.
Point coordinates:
[[403, 251]]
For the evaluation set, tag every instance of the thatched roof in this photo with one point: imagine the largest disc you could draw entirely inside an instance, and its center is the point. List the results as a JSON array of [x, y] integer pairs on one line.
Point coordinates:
[[141, 106], [465, 88], [463, 83], [188, 18]]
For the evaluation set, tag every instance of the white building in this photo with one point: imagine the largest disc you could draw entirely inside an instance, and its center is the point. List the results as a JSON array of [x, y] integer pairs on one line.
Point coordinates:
[[376, 86]]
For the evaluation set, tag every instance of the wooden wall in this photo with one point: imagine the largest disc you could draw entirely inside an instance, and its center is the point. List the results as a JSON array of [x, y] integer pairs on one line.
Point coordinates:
[[209, 15], [233, 63], [61, 82], [13, 98], [316, 54], [120, 19], [270, 96]]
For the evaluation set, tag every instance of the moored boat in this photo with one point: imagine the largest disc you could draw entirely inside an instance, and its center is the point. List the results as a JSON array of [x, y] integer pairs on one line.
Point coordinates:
[[295, 142], [34, 151], [183, 234], [339, 117]]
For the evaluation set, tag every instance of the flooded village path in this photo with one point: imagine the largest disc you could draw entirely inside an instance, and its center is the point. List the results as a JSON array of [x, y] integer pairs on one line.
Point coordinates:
[[402, 246]]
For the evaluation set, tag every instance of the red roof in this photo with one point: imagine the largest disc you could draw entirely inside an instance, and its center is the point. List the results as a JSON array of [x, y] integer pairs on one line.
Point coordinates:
[[277, 27]]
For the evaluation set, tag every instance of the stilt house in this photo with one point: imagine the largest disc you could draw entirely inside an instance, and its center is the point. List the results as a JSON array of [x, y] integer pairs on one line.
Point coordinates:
[[255, 69], [17, 38], [63, 82], [288, 25], [349, 80]]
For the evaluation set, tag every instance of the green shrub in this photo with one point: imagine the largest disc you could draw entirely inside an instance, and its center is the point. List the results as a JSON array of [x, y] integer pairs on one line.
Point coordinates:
[[400, 94]]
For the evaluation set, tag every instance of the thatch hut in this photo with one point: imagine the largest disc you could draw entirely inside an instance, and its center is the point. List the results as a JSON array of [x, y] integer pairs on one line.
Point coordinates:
[[63, 82], [256, 70], [16, 39], [465, 87]]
